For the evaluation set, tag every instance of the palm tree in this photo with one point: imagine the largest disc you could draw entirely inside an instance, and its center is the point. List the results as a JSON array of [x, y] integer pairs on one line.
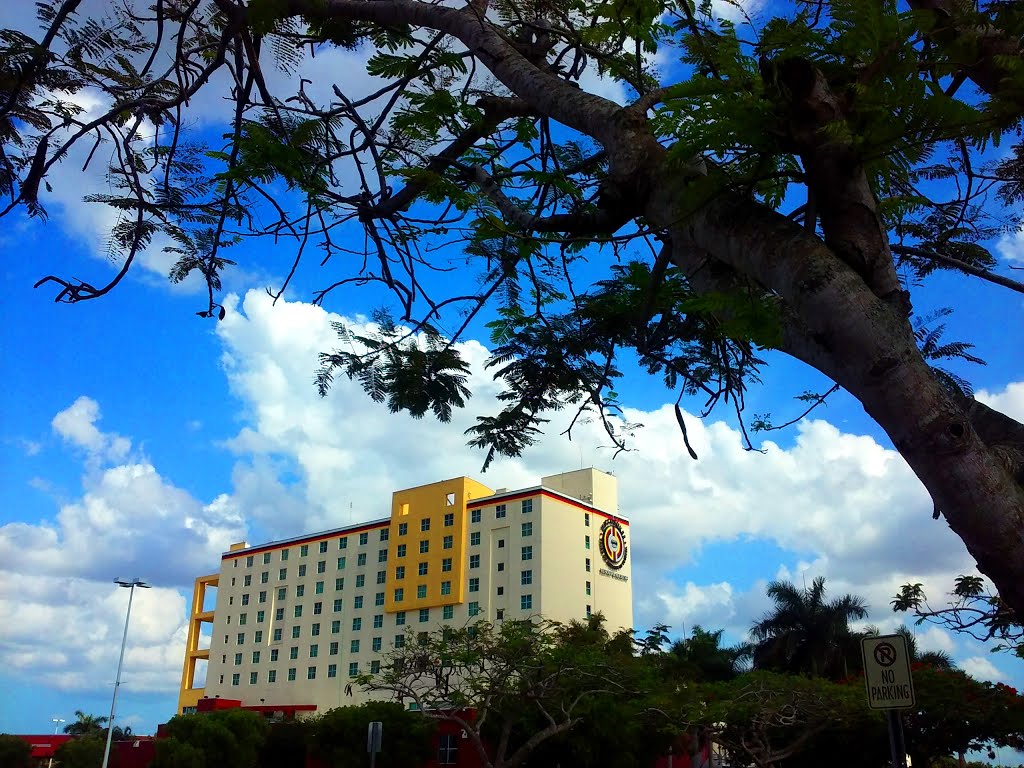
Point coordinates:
[[805, 633], [85, 725], [936, 659], [702, 655]]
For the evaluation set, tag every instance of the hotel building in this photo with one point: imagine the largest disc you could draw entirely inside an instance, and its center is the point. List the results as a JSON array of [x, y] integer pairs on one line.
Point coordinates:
[[294, 621]]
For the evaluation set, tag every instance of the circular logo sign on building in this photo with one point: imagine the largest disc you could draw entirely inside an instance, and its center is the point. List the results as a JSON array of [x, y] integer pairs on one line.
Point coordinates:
[[613, 544]]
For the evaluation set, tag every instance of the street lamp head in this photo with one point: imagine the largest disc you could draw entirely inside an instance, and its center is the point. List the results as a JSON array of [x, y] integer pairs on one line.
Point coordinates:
[[134, 582]]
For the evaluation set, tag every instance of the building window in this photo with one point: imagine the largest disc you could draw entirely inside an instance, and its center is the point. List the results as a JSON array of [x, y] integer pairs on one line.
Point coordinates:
[[258, 639], [323, 547], [319, 588], [360, 581], [304, 550], [446, 587], [314, 651], [311, 673], [424, 615], [588, 565], [236, 678], [248, 581], [400, 572], [399, 641], [318, 608], [474, 516], [501, 543], [336, 627], [378, 599], [315, 629], [526, 577], [238, 659], [499, 614], [375, 667], [266, 558], [449, 519], [321, 566], [341, 563], [421, 569], [526, 602], [474, 539], [448, 749], [361, 558], [277, 635], [248, 562], [241, 638], [474, 608], [501, 567], [302, 571], [586, 542], [474, 585], [588, 611], [343, 542], [474, 561], [421, 591], [253, 676], [339, 583], [400, 618], [295, 631], [446, 565], [501, 591], [337, 605], [353, 647], [298, 611], [357, 624], [424, 546], [293, 652], [260, 615], [403, 529], [382, 555], [333, 648], [527, 506], [263, 596], [273, 654], [527, 529], [264, 577], [586, 519], [358, 602], [588, 587], [291, 674], [332, 670], [527, 553], [378, 620], [300, 590], [375, 644], [399, 595], [448, 612], [499, 511], [282, 593], [242, 618], [353, 669], [363, 539], [284, 555], [448, 542], [272, 676]]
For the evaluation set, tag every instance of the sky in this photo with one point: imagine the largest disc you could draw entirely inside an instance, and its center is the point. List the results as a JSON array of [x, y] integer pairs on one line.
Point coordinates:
[[137, 439]]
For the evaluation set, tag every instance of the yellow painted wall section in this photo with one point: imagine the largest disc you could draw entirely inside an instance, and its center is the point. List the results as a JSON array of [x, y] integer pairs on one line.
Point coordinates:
[[189, 695], [410, 508]]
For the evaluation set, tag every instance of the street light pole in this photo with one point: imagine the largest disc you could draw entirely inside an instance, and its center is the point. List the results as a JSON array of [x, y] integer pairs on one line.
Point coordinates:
[[56, 727], [131, 585]]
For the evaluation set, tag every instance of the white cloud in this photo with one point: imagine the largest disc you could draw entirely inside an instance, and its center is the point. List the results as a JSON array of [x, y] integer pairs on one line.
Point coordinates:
[[981, 668], [77, 425], [1011, 246], [1009, 400]]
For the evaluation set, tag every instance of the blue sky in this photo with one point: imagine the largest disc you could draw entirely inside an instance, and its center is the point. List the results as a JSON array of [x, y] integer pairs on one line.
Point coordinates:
[[138, 439]]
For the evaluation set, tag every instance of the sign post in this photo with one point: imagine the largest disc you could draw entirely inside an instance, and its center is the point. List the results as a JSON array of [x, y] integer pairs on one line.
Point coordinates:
[[889, 685], [374, 733]]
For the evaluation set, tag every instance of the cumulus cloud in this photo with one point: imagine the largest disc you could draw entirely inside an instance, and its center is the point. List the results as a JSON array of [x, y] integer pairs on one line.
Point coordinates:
[[1011, 246], [1009, 400], [982, 668], [77, 425]]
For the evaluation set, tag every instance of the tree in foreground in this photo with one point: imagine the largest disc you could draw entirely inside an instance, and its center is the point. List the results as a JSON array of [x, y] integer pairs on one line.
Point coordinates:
[[337, 738], [511, 688], [794, 187], [15, 752], [231, 738]]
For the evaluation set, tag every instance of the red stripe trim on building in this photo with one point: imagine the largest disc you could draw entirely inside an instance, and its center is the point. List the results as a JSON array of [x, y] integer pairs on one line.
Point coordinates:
[[305, 540], [488, 501]]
